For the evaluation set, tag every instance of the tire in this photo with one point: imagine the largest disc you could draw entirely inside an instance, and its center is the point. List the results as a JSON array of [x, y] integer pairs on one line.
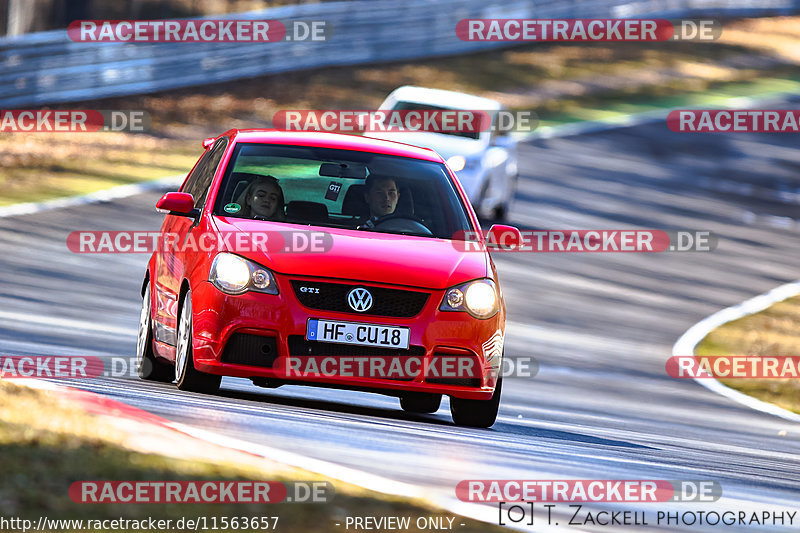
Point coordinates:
[[148, 366], [187, 377], [476, 413], [478, 207], [501, 212], [420, 402]]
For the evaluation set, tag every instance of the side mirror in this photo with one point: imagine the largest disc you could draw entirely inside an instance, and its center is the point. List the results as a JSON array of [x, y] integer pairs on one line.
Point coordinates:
[[504, 238], [208, 143], [178, 203]]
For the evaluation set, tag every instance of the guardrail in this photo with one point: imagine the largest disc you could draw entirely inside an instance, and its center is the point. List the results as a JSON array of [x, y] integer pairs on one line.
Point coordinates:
[[47, 67]]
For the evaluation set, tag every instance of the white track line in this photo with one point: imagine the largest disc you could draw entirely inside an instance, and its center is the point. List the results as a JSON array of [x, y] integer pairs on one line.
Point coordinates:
[[482, 513], [689, 341], [67, 324]]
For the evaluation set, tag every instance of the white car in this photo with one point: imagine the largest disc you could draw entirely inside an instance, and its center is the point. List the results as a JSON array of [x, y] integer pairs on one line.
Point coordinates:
[[485, 162]]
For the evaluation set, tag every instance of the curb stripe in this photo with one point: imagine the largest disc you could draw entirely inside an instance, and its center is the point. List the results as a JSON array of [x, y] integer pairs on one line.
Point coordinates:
[[101, 405], [687, 343]]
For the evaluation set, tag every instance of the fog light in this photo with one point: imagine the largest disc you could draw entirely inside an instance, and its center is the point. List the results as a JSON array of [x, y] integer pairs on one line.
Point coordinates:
[[260, 279], [455, 298]]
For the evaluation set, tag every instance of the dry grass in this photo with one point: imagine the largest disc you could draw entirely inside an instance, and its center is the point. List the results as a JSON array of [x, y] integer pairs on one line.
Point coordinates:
[[47, 444], [775, 332], [40, 166]]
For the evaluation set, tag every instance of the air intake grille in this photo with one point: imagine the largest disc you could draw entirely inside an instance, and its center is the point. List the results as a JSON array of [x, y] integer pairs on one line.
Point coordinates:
[[253, 350], [299, 346]]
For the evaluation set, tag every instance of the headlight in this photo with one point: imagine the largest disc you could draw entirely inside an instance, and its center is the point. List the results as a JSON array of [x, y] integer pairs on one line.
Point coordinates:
[[478, 298], [236, 275], [457, 163]]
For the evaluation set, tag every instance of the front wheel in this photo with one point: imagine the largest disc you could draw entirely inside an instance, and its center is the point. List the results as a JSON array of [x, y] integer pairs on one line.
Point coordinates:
[[476, 413], [501, 212], [186, 375], [478, 206], [501, 209], [148, 366]]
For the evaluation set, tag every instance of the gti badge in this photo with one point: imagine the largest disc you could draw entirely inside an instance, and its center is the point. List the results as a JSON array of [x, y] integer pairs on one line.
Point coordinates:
[[359, 299]]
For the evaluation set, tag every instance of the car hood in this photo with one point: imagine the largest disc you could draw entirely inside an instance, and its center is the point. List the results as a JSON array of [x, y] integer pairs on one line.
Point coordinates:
[[446, 145], [366, 256]]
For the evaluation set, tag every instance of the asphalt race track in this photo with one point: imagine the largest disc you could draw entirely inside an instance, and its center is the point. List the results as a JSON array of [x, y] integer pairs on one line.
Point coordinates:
[[600, 325]]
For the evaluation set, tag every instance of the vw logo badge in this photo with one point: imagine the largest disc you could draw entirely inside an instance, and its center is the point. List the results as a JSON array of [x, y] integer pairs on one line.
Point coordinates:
[[359, 299]]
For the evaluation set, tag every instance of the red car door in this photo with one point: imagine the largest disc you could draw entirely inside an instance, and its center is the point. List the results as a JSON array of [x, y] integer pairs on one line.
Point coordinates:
[[171, 260]]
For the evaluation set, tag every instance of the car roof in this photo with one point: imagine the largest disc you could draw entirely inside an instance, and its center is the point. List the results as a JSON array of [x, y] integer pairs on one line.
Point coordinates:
[[333, 140], [440, 97]]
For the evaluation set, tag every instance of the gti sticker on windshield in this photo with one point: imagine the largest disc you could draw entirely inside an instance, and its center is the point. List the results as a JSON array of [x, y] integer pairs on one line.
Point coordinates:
[[232, 208], [333, 191]]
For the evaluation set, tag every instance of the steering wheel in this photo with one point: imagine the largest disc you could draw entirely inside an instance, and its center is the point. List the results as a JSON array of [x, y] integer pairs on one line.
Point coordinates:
[[403, 223]]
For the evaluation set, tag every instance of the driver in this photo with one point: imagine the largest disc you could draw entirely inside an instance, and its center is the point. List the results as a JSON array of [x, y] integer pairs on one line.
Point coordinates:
[[381, 196]]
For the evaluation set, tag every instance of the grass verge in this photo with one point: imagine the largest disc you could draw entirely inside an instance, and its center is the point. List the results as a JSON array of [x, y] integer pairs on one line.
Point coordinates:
[[560, 82], [774, 331], [46, 445], [43, 166]]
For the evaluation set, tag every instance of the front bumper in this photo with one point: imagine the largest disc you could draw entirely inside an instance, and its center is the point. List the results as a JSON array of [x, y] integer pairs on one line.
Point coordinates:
[[434, 337]]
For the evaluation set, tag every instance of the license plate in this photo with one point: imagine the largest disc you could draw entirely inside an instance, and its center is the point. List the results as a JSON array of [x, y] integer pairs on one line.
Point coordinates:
[[357, 333]]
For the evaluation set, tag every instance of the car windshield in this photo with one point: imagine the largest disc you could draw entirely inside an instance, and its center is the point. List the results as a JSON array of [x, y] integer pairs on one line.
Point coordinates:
[[411, 106], [341, 189]]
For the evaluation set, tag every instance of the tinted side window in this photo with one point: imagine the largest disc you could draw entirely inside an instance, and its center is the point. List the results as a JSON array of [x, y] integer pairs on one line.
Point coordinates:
[[190, 183], [200, 180]]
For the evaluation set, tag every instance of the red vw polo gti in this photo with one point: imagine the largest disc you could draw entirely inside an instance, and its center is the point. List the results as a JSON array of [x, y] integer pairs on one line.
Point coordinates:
[[329, 260]]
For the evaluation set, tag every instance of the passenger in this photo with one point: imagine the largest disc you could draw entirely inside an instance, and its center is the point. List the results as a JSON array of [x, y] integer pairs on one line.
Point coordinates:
[[263, 199]]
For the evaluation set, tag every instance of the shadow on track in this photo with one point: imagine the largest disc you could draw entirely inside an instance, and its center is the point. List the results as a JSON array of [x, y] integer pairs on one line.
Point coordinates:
[[553, 434], [505, 428]]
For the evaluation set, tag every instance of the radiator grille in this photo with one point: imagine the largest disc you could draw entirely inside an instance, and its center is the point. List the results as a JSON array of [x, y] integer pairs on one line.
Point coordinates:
[[385, 302]]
